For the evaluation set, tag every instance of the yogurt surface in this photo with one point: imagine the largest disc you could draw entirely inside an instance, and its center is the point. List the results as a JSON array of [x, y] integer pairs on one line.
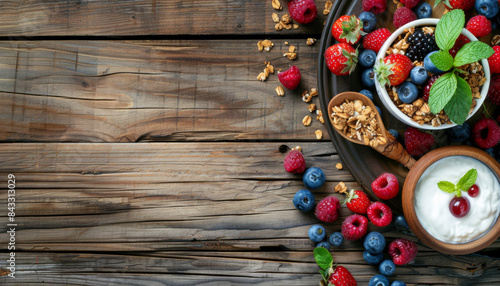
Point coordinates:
[[432, 204]]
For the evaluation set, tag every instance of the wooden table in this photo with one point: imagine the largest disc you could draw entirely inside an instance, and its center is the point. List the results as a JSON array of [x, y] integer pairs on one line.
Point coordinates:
[[146, 152]]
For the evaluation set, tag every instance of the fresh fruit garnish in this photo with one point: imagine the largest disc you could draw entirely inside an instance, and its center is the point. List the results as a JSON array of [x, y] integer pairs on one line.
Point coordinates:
[[459, 43], [347, 29], [378, 280], [374, 6], [317, 233], [314, 178], [419, 75], [402, 251], [369, 21], [428, 86], [407, 92], [372, 259], [375, 40], [401, 224], [290, 78], [479, 26], [459, 206], [457, 4], [368, 77], [423, 10], [486, 133], [387, 267], [342, 277], [354, 227], [459, 133], [341, 58], [324, 244], [304, 200], [410, 3], [294, 162], [367, 58], [487, 8], [338, 275], [494, 60], [374, 242], [336, 239], [473, 191], [327, 209], [386, 186], [402, 16], [302, 11], [394, 69], [379, 214], [494, 90], [357, 201], [420, 45], [417, 143], [430, 66]]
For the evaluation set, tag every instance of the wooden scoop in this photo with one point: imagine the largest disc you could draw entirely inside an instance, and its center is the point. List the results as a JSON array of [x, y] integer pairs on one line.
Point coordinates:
[[392, 148]]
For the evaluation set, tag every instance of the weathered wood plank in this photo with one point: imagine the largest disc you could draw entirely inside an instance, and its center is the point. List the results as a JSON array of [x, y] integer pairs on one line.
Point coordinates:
[[186, 213], [145, 17], [114, 91]]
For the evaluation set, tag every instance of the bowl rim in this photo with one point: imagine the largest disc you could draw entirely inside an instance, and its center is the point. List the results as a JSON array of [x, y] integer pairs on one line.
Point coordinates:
[[408, 198], [384, 96]]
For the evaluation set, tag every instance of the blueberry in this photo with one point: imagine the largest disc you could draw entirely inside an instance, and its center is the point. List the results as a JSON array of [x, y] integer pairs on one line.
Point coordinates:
[[367, 93], [490, 151], [379, 280], [394, 133], [367, 78], [314, 178], [495, 22], [374, 242], [400, 223], [336, 239], [324, 244], [372, 259], [419, 75], [304, 200], [387, 267], [366, 58], [317, 233], [407, 92], [423, 10], [430, 66], [459, 133], [398, 283], [487, 8], [369, 21]]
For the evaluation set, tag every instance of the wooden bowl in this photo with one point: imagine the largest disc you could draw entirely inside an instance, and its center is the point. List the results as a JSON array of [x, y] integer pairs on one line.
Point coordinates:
[[408, 200]]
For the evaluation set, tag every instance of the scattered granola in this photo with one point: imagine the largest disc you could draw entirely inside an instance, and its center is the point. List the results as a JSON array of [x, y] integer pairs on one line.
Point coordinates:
[[320, 116], [319, 134], [279, 91], [310, 41], [312, 107], [495, 40], [264, 45], [314, 92], [339, 166], [306, 97], [275, 17], [328, 7], [307, 120], [341, 188], [298, 148], [277, 5], [269, 69]]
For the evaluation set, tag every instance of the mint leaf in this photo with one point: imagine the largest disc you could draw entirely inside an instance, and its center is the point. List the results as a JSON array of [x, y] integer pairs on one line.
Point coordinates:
[[448, 29], [442, 60], [472, 52], [459, 105], [446, 186], [323, 257], [467, 180], [324, 275], [442, 90]]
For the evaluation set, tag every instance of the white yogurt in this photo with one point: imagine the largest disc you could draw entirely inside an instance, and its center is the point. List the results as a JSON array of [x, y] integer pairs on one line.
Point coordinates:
[[432, 204]]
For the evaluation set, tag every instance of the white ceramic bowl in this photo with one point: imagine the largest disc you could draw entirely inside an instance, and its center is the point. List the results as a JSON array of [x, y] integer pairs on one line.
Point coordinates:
[[393, 109]]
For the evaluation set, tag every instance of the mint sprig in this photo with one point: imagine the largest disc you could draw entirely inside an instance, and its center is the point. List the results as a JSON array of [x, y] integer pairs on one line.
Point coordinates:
[[463, 184], [324, 260], [450, 92]]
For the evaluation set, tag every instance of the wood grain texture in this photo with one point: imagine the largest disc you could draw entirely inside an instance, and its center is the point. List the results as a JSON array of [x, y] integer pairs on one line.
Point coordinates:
[[128, 91], [186, 213], [145, 17]]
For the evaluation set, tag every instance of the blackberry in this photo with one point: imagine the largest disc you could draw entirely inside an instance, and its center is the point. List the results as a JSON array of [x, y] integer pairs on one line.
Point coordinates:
[[420, 45]]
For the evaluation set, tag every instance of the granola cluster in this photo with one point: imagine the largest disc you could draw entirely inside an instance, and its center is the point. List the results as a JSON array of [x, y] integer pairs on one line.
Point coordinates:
[[359, 122]]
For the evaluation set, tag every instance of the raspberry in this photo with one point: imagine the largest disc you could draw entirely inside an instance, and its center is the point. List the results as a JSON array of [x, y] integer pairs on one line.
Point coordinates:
[[302, 11], [374, 6], [494, 91], [459, 43], [290, 78], [354, 227], [402, 251], [410, 3], [486, 133], [479, 26], [379, 214], [427, 88], [294, 162], [494, 61], [418, 143], [375, 39], [327, 210], [402, 16], [386, 186]]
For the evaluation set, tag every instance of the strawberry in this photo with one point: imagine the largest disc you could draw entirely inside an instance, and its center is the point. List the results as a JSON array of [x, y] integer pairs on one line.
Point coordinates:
[[342, 277], [375, 39], [357, 201], [458, 4], [347, 29], [494, 60], [459, 43], [393, 69], [479, 26], [341, 58], [418, 143]]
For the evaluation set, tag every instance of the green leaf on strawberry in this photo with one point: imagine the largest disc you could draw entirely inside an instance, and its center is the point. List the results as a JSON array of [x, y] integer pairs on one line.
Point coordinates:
[[463, 184]]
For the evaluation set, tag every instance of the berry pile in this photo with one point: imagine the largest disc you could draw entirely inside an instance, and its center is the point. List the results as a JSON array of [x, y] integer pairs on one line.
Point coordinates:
[[420, 45]]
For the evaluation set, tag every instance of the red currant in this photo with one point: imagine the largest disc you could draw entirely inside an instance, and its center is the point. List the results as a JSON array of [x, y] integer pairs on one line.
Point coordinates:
[[473, 190], [459, 207]]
